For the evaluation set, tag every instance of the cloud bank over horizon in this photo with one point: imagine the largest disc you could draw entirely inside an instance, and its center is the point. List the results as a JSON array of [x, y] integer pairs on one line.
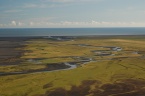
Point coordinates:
[[71, 13], [69, 24]]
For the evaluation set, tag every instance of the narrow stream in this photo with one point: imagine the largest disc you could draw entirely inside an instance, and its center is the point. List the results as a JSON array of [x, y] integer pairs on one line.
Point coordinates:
[[62, 66], [68, 66]]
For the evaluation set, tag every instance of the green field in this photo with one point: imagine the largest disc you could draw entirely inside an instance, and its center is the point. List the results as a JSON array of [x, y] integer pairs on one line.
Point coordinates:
[[122, 73]]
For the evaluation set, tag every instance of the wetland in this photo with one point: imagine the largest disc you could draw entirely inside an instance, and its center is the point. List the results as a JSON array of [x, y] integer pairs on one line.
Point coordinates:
[[72, 66]]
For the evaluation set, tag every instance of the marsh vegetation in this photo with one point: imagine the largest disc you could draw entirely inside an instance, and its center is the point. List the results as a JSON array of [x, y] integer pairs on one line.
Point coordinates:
[[80, 66]]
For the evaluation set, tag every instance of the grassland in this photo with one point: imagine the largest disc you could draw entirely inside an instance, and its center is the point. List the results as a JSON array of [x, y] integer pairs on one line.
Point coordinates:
[[96, 78]]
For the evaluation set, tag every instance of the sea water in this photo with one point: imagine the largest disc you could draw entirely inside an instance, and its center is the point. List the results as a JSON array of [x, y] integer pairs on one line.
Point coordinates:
[[18, 32]]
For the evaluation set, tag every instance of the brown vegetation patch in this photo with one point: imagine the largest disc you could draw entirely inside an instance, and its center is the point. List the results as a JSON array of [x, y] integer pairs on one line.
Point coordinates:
[[47, 85], [128, 87], [11, 49], [49, 67]]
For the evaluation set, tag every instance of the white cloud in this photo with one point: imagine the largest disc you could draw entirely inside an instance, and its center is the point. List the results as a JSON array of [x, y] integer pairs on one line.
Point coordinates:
[[31, 24], [40, 5], [68, 1], [94, 22], [54, 3], [60, 1], [21, 24], [1, 25], [13, 11], [41, 19], [64, 1], [87, 24], [30, 6], [13, 23], [36, 6], [67, 24]]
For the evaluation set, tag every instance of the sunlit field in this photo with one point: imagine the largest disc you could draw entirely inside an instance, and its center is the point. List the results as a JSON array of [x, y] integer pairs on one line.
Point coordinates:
[[37, 66]]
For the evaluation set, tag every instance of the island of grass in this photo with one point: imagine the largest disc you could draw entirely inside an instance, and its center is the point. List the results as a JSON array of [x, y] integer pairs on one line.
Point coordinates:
[[72, 66]]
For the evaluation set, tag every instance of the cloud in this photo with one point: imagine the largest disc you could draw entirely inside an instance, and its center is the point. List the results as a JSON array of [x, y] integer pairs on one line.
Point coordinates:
[[40, 5], [31, 24], [37, 5], [68, 1], [63, 1], [1, 25], [13, 23], [13, 11], [58, 1], [87, 24], [21, 24], [30, 6], [41, 19], [54, 3], [70, 24]]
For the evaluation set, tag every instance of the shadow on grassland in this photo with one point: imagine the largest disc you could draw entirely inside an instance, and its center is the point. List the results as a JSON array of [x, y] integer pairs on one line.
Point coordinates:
[[128, 87]]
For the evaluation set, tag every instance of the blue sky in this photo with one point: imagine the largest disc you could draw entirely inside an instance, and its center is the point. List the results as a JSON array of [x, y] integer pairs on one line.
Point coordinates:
[[71, 13]]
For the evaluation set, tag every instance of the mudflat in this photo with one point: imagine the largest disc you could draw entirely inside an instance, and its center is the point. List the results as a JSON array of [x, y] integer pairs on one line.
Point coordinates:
[[10, 50]]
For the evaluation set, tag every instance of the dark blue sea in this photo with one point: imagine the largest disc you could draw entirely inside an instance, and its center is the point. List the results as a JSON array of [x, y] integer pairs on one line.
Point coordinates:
[[22, 32]]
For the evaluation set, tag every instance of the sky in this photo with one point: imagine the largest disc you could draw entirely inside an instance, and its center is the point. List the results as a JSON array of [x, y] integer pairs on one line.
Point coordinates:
[[71, 13]]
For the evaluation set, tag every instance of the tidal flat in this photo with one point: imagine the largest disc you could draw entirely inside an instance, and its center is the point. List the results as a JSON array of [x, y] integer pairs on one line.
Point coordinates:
[[72, 66]]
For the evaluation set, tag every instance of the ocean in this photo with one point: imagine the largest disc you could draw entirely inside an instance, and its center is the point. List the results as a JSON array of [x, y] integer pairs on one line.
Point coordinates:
[[23, 32]]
